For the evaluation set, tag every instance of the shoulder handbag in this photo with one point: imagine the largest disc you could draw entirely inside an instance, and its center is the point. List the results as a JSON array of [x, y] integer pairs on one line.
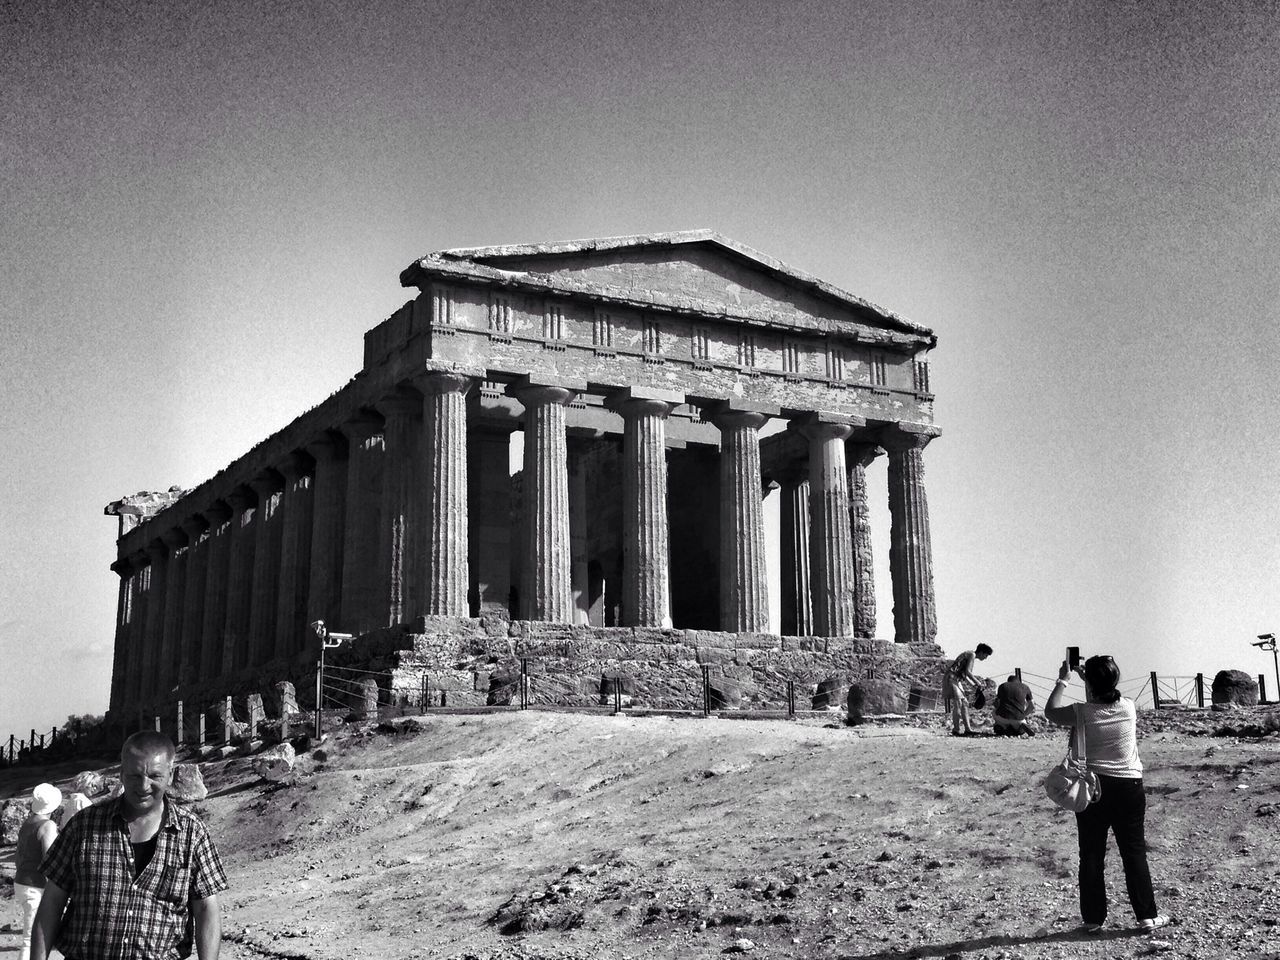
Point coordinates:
[[1072, 785]]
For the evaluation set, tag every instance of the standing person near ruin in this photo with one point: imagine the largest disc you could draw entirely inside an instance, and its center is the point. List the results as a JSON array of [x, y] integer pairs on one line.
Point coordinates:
[[959, 675], [35, 837], [1110, 724], [132, 871]]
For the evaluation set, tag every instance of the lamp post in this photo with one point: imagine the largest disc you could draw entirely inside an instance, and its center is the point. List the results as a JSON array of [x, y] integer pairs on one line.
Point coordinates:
[[1267, 641]]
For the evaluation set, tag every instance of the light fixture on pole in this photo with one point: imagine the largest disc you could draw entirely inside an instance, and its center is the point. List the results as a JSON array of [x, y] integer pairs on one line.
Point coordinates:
[[1267, 641]]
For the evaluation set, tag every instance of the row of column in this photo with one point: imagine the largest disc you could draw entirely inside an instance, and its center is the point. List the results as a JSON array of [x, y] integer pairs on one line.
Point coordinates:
[[828, 581], [369, 539]]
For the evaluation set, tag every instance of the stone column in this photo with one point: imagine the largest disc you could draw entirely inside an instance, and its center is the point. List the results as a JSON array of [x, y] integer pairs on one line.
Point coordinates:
[[646, 588], [266, 569], [546, 573], [793, 522], [139, 594], [744, 589], [395, 565], [120, 652], [830, 536], [324, 595], [217, 562], [489, 517], [150, 666], [362, 525], [235, 631], [444, 501], [188, 650], [174, 598], [579, 577], [295, 554], [910, 551], [860, 456]]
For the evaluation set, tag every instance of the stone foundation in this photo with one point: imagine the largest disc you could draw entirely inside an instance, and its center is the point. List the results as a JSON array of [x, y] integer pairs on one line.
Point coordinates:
[[479, 662]]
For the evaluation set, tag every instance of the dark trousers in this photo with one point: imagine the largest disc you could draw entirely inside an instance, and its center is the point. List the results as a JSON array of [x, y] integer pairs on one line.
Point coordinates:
[[1122, 808]]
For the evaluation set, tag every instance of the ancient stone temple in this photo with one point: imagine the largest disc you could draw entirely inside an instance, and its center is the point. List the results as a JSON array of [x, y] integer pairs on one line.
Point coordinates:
[[664, 386]]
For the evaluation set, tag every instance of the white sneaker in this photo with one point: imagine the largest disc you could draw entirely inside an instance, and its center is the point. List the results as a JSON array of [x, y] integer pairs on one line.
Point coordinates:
[[1153, 924]]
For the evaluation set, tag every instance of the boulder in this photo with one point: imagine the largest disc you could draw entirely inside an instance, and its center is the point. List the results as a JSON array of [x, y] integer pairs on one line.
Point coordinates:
[[723, 693], [871, 697], [1235, 686], [188, 785], [828, 693], [90, 783], [12, 813], [276, 763]]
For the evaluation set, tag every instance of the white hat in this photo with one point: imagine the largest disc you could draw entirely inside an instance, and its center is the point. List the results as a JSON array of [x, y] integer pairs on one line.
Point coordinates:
[[45, 799]]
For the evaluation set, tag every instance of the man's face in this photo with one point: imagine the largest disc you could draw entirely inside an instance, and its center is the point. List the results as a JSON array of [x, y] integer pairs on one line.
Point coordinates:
[[145, 779]]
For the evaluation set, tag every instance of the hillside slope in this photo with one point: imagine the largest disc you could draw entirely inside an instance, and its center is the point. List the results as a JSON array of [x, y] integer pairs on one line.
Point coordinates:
[[571, 836]]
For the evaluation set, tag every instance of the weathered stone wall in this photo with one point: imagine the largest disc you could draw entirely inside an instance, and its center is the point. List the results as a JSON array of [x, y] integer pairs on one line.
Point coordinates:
[[478, 662]]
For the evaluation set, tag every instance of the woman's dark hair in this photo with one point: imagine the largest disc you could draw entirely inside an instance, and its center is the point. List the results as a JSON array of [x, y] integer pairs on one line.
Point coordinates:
[[983, 648], [1102, 675]]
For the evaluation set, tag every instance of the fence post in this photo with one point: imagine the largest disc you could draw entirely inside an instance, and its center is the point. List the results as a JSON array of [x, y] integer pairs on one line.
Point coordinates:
[[180, 731], [1262, 689], [200, 732], [423, 692], [157, 723], [42, 743], [226, 723], [11, 749], [706, 690], [1155, 691], [1199, 689], [1017, 672], [524, 682]]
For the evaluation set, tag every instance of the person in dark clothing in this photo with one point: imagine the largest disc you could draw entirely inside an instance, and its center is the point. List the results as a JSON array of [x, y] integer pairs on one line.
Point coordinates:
[[1014, 706]]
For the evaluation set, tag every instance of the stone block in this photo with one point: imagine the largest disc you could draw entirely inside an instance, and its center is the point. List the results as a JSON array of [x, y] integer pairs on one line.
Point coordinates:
[[871, 697], [286, 699], [276, 763], [1235, 686], [830, 692]]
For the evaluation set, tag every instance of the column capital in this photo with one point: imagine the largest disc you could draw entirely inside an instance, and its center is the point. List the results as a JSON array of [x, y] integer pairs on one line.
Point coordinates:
[[908, 436], [403, 401], [122, 567], [174, 537], [294, 465], [727, 414], [436, 377], [194, 526], [240, 499], [862, 452], [325, 446], [362, 425], [265, 483], [217, 513], [826, 426], [642, 400], [538, 389]]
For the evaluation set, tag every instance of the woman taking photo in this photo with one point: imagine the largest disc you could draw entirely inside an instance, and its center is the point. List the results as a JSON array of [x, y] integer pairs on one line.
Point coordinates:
[[1110, 724]]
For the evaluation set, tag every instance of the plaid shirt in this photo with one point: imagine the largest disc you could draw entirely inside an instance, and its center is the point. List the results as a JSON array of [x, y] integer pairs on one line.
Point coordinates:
[[112, 916]]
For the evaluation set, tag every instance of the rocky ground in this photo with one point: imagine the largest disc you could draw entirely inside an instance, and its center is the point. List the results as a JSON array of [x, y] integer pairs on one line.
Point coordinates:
[[553, 835]]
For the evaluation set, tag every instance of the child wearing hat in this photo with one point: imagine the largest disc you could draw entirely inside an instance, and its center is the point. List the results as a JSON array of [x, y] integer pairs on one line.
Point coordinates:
[[35, 837]]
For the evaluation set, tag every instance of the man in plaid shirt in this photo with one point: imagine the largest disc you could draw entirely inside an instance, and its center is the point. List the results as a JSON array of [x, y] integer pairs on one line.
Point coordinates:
[[132, 872]]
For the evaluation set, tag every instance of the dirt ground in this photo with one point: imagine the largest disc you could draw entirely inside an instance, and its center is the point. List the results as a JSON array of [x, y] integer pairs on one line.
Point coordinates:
[[553, 835]]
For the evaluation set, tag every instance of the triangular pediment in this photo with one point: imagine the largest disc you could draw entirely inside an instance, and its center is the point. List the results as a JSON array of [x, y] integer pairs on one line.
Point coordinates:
[[695, 267]]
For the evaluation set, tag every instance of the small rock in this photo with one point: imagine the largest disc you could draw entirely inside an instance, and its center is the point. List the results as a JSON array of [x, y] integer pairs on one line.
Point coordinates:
[[275, 764], [188, 785], [741, 945]]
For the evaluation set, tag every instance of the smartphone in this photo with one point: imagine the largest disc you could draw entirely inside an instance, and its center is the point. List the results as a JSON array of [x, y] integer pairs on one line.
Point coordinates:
[[1073, 657]]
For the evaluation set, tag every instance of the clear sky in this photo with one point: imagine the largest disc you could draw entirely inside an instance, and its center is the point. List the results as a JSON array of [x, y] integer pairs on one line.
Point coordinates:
[[205, 205]]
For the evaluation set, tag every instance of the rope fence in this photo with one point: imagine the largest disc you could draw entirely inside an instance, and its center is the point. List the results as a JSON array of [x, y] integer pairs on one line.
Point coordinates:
[[360, 694]]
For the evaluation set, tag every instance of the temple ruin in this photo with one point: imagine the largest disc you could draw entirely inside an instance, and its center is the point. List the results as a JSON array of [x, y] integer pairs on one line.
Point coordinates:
[[664, 385]]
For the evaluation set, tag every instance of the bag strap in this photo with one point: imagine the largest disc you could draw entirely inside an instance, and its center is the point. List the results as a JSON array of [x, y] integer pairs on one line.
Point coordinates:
[[1077, 735]]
